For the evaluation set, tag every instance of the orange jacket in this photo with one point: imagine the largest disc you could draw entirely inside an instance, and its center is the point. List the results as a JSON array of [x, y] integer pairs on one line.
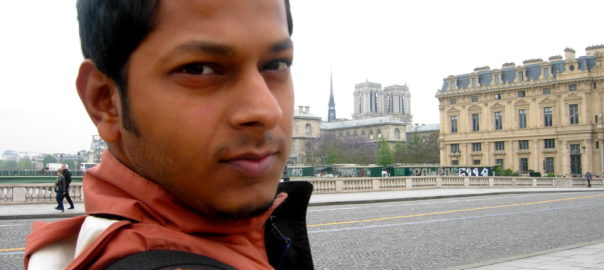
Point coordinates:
[[149, 219]]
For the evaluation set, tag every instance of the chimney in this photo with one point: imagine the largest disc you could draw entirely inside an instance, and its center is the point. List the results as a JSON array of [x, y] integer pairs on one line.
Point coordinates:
[[307, 109], [569, 54], [300, 109]]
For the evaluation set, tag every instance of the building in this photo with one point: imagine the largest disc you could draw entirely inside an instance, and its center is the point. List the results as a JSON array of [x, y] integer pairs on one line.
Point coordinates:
[[306, 127], [371, 101], [387, 119], [544, 116]]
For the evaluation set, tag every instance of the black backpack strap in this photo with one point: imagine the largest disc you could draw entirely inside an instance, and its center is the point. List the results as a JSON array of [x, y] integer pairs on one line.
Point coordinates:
[[167, 259], [286, 237]]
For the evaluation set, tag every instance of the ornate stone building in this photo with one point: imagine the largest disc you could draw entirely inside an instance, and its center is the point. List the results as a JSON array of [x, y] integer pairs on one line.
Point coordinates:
[[388, 120], [544, 116], [371, 100]]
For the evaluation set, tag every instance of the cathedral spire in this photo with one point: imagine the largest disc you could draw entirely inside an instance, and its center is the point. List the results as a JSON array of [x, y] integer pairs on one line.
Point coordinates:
[[331, 114]]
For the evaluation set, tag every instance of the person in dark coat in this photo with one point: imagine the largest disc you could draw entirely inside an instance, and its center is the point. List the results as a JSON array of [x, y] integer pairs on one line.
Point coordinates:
[[588, 176], [60, 189], [67, 175]]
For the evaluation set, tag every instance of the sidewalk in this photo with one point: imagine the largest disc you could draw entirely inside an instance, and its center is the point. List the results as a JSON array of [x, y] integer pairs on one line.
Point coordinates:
[[583, 256]]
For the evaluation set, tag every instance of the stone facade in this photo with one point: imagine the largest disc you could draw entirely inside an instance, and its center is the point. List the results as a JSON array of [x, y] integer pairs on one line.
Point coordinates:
[[371, 100], [544, 116]]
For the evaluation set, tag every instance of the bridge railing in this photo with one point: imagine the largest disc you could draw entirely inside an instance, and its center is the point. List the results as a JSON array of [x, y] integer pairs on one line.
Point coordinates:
[[44, 192], [36, 193]]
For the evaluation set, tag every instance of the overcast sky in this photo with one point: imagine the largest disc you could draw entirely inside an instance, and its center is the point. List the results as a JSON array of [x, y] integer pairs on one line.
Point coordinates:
[[417, 43]]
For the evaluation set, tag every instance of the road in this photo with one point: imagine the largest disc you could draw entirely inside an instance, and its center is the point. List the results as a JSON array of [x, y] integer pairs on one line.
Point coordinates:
[[423, 234], [435, 234]]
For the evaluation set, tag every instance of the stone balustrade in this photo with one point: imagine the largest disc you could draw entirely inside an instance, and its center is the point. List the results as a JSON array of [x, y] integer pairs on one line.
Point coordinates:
[[44, 193], [36, 193]]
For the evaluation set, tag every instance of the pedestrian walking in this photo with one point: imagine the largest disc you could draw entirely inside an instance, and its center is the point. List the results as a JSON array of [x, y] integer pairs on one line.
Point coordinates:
[[60, 187], [67, 175], [588, 176]]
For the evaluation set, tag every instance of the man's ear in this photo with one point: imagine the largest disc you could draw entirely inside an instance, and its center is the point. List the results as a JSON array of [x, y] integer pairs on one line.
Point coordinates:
[[100, 97]]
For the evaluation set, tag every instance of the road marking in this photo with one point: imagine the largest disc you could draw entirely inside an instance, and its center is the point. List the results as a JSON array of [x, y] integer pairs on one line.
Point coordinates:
[[11, 249], [444, 220], [451, 211]]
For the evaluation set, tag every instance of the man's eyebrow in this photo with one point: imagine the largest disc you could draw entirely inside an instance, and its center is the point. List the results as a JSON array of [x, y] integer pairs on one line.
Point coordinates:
[[283, 45], [205, 47]]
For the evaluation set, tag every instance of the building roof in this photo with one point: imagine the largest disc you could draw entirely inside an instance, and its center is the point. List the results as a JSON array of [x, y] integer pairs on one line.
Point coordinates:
[[384, 120], [424, 128]]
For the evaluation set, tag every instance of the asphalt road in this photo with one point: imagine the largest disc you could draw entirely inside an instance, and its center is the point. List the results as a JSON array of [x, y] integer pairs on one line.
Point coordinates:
[[436, 234], [423, 234]]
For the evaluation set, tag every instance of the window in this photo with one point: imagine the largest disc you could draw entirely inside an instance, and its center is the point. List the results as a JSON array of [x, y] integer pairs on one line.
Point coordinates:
[[547, 116], [474, 98], [547, 91], [454, 124], [573, 113], [476, 147], [476, 162], [523, 165], [520, 76], [308, 129], [499, 146], [522, 118], [496, 79], [594, 85], [572, 87], [473, 82], [548, 165], [497, 96], [397, 134], [475, 122], [549, 143], [597, 145], [454, 148], [499, 162], [546, 73], [521, 93], [452, 101], [498, 120], [523, 144], [454, 162]]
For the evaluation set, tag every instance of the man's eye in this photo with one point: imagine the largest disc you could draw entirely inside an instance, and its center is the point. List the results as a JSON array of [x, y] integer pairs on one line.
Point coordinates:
[[281, 64], [198, 69]]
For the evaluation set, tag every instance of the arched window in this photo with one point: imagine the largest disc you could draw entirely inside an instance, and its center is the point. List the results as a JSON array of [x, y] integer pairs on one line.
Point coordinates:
[[397, 133], [379, 133], [308, 129], [371, 134]]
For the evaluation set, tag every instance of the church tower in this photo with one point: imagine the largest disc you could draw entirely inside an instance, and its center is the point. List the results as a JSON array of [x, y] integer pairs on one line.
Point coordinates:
[[331, 114]]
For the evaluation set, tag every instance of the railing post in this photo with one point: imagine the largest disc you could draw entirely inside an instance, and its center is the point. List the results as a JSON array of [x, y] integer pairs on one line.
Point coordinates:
[[376, 184], [339, 186], [491, 182], [439, 181], [409, 182], [534, 182], [19, 194], [466, 182]]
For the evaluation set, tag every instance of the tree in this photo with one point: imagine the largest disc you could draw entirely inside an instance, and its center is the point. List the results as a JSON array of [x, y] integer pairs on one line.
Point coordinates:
[[418, 149], [48, 159], [384, 153]]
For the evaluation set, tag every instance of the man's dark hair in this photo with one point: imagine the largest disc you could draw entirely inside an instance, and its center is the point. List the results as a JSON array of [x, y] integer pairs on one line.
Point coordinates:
[[110, 30]]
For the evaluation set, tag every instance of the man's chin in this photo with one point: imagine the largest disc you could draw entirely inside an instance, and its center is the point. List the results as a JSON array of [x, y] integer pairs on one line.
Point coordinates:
[[244, 211]]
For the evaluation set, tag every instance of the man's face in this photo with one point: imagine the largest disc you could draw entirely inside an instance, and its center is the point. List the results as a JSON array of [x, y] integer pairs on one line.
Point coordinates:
[[210, 93]]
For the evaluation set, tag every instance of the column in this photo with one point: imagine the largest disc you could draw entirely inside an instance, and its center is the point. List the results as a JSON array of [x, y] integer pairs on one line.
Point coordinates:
[[536, 156], [564, 158], [601, 146]]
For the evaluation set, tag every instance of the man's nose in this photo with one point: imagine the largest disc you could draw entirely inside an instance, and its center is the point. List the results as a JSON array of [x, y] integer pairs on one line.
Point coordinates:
[[257, 105]]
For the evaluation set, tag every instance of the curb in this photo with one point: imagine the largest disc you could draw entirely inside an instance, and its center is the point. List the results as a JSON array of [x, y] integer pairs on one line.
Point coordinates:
[[78, 213]]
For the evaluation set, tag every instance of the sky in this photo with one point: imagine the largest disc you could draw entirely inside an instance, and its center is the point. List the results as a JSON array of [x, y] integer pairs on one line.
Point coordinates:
[[417, 43]]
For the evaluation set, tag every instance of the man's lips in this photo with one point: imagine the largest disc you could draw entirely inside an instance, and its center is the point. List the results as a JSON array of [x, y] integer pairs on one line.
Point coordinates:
[[252, 165]]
